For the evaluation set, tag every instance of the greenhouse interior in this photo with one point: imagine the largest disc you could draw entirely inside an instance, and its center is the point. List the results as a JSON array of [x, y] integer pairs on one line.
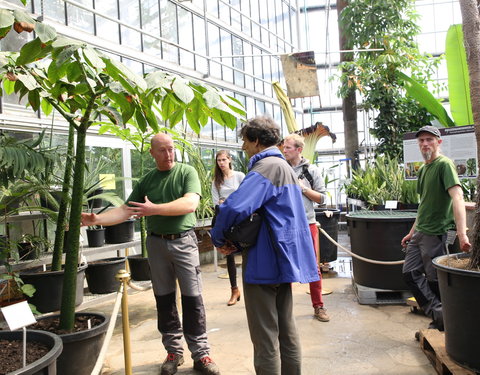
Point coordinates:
[[131, 241]]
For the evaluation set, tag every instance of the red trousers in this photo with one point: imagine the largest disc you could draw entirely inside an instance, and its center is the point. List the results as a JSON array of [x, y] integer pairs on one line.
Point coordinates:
[[316, 286]]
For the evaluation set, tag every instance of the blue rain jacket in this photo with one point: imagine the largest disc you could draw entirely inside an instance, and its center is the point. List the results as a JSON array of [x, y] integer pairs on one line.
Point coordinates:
[[271, 186]]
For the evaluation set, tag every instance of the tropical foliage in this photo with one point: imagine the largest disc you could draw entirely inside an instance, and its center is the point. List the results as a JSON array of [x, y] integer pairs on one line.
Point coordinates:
[[85, 87], [388, 28]]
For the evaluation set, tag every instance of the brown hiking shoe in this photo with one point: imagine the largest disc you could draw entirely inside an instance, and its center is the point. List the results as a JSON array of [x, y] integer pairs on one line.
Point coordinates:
[[206, 366], [171, 363], [321, 314]]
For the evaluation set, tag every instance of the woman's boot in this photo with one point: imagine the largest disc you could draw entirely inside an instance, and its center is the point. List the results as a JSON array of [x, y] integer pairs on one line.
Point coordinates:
[[235, 296]]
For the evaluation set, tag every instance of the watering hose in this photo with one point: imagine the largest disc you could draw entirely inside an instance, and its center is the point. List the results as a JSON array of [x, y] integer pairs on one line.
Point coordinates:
[[390, 263]]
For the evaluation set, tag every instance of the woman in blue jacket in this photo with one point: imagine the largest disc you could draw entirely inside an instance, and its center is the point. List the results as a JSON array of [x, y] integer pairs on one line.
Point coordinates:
[[283, 253]]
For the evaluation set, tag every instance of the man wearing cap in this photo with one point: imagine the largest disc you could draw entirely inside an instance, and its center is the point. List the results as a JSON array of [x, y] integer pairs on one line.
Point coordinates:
[[441, 209]]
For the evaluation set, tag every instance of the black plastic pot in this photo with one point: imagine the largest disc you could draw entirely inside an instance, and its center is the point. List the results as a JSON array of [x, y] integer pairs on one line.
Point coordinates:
[[96, 202], [120, 233], [56, 194], [47, 365], [48, 287], [328, 251], [28, 251], [4, 253], [139, 268], [101, 275], [81, 349], [96, 237], [377, 235], [459, 290]]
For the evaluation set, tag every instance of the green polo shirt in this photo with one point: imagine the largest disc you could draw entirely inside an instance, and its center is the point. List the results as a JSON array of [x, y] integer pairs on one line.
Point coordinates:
[[164, 187], [435, 212]]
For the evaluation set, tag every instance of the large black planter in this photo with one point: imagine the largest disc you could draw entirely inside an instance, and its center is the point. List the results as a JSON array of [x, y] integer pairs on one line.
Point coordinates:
[[81, 349], [101, 275], [460, 292], [328, 251], [47, 365], [139, 268], [48, 287], [96, 237], [377, 235], [120, 233]]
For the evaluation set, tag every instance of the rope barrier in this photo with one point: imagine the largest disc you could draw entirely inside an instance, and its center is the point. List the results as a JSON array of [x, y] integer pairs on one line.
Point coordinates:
[[390, 263], [111, 325], [134, 286]]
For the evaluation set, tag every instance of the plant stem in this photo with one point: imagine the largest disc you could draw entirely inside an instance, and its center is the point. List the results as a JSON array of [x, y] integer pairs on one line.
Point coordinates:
[[63, 208]]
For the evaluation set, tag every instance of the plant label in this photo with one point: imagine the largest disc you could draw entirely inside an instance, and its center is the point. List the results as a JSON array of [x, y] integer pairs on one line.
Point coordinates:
[[391, 205], [18, 315]]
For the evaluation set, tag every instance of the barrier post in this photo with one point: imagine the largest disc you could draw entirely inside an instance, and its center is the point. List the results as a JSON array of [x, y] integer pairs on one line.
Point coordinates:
[[124, 277]]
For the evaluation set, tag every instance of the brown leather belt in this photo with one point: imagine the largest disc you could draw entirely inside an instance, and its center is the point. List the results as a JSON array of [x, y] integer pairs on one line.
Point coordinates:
[[171, 237]]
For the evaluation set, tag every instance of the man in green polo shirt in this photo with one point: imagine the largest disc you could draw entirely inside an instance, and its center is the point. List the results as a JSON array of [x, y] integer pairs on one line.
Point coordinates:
[[441, 209], [168, 197]]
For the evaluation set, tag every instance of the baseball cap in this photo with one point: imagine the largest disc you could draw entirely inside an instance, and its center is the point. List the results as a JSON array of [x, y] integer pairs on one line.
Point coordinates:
[[429, 129]]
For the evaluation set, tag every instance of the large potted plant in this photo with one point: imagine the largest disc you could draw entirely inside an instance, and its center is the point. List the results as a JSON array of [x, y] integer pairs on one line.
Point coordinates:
[[82, 84], [459, 275]]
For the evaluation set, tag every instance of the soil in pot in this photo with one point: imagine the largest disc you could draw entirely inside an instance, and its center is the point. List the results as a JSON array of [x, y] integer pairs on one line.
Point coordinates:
[[42, 351], [100, 275], [11, 354]]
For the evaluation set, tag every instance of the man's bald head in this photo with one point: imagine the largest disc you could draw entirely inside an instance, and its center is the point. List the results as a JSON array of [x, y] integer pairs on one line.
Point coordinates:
[[163, 151]]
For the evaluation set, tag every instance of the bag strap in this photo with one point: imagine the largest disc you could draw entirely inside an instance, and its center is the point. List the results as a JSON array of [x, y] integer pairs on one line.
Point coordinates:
[[307, 175]]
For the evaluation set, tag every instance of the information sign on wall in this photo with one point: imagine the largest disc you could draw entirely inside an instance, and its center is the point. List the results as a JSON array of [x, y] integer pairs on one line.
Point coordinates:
[[459, 144]]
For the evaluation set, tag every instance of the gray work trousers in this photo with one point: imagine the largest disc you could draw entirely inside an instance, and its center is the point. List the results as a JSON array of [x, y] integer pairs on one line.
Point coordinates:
[[419, 273], [276, 345], [171, 260]]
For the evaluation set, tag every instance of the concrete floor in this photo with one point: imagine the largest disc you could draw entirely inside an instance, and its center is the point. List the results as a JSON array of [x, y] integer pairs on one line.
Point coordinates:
[[359, 339]]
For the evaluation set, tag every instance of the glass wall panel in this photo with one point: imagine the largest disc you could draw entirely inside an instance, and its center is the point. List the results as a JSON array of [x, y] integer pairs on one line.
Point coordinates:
[[214, 50], [107, 29], [226, 47], [199, 44], [79, 18], [151, 23], [238, 62], [52, 8], [235, 15], [169, 29], [258, 70], [130, 14], [246, 23], [185, 34], [104, 160]]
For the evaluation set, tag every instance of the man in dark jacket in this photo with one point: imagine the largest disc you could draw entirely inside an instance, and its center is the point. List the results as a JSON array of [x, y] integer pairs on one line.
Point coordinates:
[[283, 253]]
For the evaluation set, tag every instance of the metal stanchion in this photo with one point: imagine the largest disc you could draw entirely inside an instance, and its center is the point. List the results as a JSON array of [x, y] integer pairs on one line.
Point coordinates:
[[123, 276]]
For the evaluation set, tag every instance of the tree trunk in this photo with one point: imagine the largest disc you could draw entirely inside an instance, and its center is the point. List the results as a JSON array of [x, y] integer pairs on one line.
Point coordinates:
[[349, 103], [471, 34]]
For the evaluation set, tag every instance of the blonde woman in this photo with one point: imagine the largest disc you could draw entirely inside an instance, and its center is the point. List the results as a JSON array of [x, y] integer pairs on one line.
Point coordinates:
[[225, 182]]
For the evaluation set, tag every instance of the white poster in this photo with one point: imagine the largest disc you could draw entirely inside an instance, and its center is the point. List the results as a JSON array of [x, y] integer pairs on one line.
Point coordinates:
[[459, 144]]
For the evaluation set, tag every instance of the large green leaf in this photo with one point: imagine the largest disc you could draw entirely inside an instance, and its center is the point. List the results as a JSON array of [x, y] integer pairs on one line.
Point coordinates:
[[93, 58], [32, 51], [21, 16], [45, 33], [458, 77], [183, 91], [6, 18], [426, 99]]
